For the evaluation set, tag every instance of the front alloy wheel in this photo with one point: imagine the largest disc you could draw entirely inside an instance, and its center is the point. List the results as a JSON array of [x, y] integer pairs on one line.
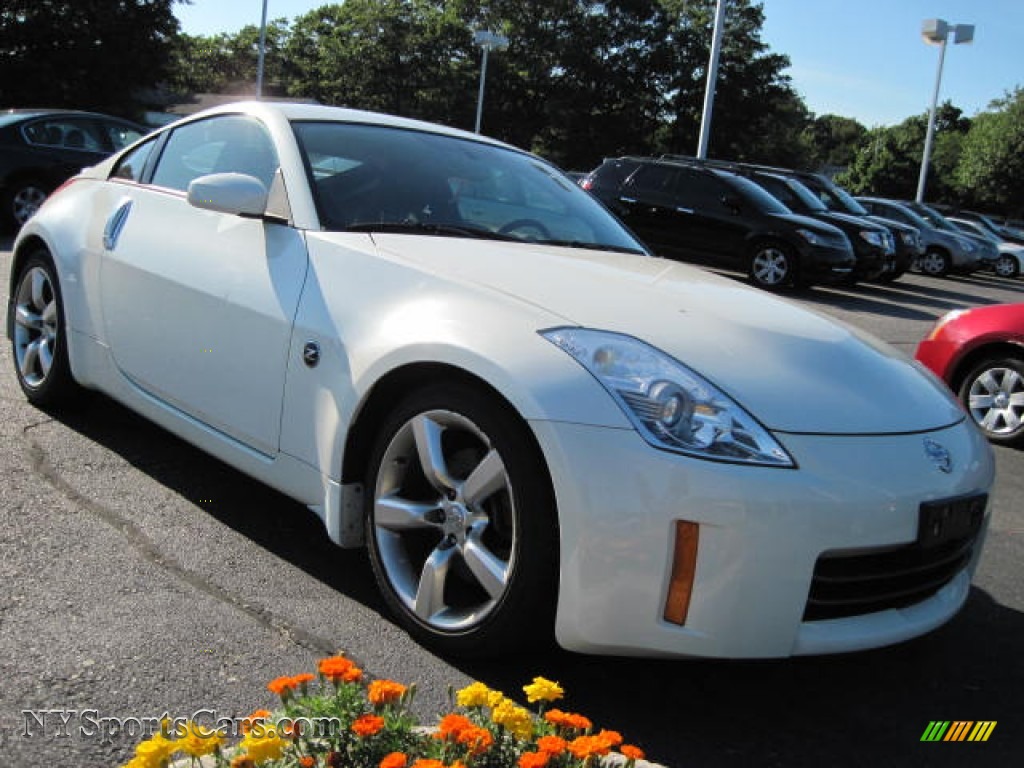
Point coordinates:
[[460, 524], [935, 263], [1007, 266], [993, 394], [771, 266]]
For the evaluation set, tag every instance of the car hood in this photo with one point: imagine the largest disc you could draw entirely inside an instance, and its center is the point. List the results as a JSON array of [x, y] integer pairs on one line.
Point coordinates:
[[840, 219], [795, 370]]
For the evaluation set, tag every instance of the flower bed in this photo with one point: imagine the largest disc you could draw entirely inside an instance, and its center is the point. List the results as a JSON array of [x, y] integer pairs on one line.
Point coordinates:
[[337, 719]]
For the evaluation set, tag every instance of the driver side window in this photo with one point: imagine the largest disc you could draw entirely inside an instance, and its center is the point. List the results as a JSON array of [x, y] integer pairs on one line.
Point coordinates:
[[225, 144]]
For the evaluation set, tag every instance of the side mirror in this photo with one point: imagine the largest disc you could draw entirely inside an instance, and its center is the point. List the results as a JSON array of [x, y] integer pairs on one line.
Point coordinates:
[[234, 193]]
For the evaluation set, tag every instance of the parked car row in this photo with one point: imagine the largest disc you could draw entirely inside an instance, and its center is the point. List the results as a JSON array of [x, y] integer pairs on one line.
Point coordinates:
[[786, 227], [41, 148]]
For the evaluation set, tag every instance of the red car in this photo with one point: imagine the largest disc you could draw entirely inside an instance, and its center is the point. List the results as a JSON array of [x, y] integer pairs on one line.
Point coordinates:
[[979, 353]]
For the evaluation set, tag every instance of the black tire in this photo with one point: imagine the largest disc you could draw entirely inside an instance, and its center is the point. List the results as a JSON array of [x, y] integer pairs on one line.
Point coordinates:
[[20, 201], [935, 263], [773, 265], [421, 523], [993, 395], [1007, 266], [39, 334]]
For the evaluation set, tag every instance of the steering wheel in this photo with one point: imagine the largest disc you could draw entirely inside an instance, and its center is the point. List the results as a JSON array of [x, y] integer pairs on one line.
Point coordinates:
[[527, 229]]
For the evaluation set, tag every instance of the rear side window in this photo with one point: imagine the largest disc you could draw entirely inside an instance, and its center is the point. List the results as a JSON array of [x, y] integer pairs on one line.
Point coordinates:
[[64, 133], [655, 179], [131, 166], [223, 144], [119, 135]]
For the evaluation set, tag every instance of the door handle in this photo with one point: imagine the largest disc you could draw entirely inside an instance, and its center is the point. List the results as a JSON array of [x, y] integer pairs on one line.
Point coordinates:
[[115, 224], [627, 199]]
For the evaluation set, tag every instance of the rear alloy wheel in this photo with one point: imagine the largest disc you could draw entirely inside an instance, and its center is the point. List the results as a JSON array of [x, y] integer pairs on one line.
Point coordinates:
[[772, 266], [935, 263], [23, 200], [993, 393], [38, 333], [1007, 266], [461, 524]]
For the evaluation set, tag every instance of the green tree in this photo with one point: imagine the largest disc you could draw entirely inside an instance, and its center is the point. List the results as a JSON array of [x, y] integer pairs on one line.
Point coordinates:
[[888, 162], [991, 169], [227, 61], [833, 140], [92, 54]]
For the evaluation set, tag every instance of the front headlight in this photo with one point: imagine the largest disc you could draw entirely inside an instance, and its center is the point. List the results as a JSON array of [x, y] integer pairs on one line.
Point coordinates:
[[874, 238], [671, 406], [909, 238], [968, 246]]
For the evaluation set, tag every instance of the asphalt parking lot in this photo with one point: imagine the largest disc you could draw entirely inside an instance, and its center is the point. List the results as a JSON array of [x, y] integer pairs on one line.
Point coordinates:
[[141, 577]]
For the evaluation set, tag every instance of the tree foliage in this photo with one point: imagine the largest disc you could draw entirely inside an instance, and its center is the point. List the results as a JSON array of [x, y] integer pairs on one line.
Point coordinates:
[[92, 54], [888, 162], [991, 168]]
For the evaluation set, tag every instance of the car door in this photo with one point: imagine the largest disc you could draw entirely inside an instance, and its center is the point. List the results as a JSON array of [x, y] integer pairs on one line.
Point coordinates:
[[646, 204], [198, 305], [709, 212]]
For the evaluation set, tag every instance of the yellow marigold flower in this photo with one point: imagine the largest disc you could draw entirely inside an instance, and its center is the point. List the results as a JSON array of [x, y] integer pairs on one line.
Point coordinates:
[[270, 746], [154, 751], [474, 695], [494, 698], [199, 741], [513, 718], [542, 689]]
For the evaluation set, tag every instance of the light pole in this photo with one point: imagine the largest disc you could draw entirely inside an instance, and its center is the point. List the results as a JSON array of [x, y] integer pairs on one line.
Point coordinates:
[[936, 32], [262, 52], [709, 89], [488, 41]]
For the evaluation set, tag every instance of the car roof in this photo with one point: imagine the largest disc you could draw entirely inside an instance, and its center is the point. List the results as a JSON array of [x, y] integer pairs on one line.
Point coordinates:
[[298, 112]]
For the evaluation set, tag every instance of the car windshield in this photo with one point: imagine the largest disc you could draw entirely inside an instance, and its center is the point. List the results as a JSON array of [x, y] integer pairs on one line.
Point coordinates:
[[844, 201], [977, 230], [757, 196], [934, 218], [374, 178], [805, 196]]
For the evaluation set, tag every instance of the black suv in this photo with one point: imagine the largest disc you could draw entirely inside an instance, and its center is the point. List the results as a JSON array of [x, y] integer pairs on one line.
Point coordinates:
[[906, 239], [703, 213]]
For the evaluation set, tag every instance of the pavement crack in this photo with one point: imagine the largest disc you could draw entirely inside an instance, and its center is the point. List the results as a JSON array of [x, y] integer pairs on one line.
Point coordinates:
[[41, 466]]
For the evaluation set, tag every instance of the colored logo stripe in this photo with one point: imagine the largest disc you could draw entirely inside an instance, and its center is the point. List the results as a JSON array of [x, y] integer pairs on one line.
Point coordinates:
[[935, 731], [982, 731], [958, 730]]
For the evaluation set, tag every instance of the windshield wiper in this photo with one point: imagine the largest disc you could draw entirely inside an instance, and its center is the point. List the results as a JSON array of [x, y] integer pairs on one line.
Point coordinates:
[[427, 228], [592, 246]]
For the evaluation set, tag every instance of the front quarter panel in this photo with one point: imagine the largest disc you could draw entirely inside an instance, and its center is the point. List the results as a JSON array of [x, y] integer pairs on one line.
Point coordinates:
[[372, 314]]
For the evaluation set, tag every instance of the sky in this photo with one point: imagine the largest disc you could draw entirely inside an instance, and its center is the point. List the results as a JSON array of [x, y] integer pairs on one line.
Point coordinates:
[[863, 59]]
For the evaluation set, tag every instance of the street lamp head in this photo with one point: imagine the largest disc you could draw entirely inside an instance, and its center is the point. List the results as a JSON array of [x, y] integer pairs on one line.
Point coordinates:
[[490, 40], [963, 33], [935, 31]]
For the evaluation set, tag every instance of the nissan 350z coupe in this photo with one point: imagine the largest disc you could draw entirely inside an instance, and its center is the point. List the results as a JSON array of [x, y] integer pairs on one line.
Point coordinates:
[[459, 359]]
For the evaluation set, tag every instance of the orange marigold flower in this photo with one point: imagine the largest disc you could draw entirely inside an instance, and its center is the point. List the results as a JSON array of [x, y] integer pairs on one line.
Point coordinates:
[[451, 726], [633, 753], [259, 715], [368, 725], [394, 760], [552, 745], [281, 685], [301, 679], [425, 763], [611, 738], [567, 720], [587, 746], [477, 739], [385, 692], [307, 761], [533, 759], [339, 669], [243, 761]]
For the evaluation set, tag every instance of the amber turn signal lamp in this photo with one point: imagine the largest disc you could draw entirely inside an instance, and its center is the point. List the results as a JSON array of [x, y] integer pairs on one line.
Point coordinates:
[[684, 564]]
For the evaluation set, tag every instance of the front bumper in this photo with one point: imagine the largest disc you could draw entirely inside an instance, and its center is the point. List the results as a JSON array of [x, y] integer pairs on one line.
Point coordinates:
[[827, 264], [761, 531]]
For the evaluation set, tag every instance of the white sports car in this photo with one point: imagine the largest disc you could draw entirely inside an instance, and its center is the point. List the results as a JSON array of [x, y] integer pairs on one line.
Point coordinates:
[[457, 357]]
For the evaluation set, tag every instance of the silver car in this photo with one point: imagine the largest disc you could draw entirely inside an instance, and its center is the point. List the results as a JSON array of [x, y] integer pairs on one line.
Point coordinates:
[[944, 251]]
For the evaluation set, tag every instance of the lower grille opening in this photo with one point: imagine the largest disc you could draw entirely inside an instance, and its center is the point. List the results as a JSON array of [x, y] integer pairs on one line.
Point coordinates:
[[853, 585]]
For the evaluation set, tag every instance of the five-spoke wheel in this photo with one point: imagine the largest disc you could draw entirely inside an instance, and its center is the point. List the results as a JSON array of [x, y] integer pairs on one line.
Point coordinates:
[[37, 323], [460, 522], [772, 266]]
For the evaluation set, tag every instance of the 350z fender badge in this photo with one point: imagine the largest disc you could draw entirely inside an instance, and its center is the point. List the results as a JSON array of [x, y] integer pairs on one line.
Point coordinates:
[[939, 455]]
